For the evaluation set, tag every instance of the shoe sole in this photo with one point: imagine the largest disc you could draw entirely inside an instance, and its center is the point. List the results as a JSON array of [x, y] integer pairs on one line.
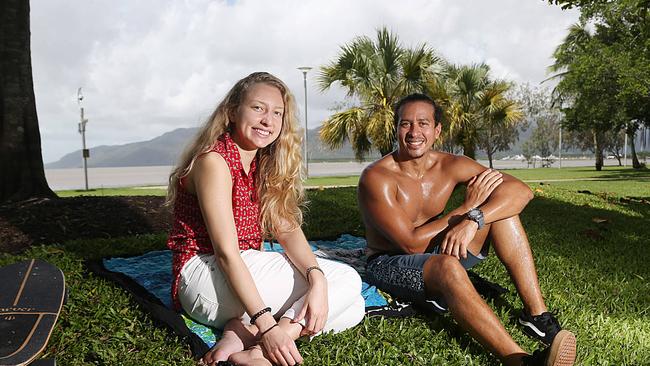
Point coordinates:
[[563, 350]]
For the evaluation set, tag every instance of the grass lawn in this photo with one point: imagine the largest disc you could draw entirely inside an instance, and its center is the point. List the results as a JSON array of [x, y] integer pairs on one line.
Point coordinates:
[[314, 182], [591, 252]]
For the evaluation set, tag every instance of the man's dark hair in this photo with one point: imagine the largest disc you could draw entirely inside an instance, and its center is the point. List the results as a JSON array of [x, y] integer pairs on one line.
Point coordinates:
[[417, 97]]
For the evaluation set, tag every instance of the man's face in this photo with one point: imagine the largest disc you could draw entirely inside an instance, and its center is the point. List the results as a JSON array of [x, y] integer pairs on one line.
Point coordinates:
[[416, 130]]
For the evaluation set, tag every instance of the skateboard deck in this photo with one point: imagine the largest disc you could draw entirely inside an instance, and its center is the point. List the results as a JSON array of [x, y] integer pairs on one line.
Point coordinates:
[[31, 297]]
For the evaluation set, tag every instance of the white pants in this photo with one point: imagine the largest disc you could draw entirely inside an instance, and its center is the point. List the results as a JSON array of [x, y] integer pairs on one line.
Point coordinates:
[[205, 295]]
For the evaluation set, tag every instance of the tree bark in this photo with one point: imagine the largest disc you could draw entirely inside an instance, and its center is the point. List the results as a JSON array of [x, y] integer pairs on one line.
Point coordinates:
[[469, 149], [489, 154], [385, 152], [22, 175], [598, 150], [631, 133]]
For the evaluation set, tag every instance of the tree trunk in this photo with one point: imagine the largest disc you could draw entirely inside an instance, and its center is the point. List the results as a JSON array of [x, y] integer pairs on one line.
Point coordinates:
[[598, 150], [385, 152], [631, 133], [21, 163], [469, 149], [489, 154]]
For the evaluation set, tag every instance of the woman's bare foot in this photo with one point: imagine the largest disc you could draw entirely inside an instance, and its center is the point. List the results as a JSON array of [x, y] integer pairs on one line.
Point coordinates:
[[250, 357], [236, 338]]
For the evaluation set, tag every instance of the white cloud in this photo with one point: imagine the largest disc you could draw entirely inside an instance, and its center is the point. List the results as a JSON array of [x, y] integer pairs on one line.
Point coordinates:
[[147, 67]]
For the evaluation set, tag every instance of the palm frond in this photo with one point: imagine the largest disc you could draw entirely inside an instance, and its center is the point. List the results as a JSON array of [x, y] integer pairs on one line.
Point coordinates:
[[381, 129], [341, 126], [361, 145], [469, 84], [350, 69], [574, 43], [416, 67], [388, 52]]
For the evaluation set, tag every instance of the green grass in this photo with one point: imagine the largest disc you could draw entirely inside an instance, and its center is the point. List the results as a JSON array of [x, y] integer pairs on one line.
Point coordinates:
[[611, 181], [314, 182], [622, 188], [575, 173], [591, 253], [351, 180], [126, 191]]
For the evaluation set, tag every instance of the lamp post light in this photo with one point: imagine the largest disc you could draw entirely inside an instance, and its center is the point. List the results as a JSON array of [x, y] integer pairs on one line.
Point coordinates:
[[304, 70], [82, 130]]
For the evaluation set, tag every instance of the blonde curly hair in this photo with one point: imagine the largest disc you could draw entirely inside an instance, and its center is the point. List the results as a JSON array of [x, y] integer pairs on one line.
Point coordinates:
[[279, 175]]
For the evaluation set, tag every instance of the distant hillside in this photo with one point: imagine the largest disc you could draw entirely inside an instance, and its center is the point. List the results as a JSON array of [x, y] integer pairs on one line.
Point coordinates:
[[319, 152], [165, 150], [162, 150]]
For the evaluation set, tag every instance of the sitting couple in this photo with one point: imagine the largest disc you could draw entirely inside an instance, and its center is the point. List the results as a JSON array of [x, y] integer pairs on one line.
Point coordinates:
[[240, 181]]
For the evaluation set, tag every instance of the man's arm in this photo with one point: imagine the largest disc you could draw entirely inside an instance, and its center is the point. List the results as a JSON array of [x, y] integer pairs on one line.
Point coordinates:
[[379, 206], [506, 200]]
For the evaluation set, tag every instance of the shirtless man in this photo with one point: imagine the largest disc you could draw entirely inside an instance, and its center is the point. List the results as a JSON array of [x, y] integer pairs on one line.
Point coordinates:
[[416, 253]]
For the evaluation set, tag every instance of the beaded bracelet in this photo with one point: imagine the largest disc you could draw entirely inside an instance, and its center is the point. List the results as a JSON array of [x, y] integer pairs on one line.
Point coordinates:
[[312, 268], [268, 330], [259, 313]]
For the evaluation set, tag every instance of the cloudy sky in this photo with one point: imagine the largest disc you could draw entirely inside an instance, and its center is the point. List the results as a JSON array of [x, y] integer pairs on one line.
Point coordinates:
[[150, 66]]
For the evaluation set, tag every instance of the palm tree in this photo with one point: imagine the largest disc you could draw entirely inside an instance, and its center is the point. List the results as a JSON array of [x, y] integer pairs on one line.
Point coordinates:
[[471, 101], [376, 74], [574, 43], [586, 86], [501, 119]]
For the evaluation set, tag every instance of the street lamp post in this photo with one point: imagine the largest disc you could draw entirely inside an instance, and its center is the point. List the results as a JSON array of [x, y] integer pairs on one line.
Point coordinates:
[[560, 149], [625, 149], [304, 70], [82, 130]]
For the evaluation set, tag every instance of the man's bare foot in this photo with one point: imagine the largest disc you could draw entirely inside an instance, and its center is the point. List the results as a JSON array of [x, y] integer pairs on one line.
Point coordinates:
[[236, 338], [250, 357]]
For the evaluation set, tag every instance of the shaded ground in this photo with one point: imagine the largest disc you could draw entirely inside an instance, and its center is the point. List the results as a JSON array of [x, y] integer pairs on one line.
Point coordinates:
[[57, 220]]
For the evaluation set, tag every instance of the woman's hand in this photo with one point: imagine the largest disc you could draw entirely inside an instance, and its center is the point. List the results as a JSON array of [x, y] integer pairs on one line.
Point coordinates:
[[280, 348], [315, 307], [481, 186]]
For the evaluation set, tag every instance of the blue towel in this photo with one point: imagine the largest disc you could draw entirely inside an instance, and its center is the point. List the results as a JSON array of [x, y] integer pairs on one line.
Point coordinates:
[[153, 271]]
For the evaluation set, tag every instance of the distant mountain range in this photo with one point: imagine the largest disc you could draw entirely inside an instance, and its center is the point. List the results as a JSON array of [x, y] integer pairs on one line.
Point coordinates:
[[166, 148]]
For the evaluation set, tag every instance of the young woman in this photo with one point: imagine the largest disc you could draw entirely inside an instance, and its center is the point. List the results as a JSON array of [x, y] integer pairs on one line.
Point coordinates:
[[238, 182]]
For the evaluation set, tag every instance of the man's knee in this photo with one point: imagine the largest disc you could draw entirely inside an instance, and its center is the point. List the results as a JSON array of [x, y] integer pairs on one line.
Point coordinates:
[[443, 271], [509, 223], [507, 232]]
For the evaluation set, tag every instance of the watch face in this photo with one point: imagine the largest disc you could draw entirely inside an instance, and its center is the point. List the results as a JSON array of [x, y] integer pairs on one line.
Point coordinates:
[[474, 213]]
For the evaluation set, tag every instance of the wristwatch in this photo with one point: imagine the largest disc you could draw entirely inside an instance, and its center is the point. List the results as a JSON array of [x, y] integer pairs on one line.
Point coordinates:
[[476, 215]]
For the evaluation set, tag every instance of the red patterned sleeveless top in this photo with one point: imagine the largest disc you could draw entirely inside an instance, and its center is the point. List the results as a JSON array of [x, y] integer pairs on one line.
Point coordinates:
[[189, 236]]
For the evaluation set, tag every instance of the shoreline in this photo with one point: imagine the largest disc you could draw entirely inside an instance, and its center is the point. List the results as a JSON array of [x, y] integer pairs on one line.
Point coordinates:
[[116, 177]]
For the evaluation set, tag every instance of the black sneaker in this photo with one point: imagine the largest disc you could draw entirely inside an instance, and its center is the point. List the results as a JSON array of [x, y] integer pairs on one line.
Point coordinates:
[[543, 327], [562, 352]]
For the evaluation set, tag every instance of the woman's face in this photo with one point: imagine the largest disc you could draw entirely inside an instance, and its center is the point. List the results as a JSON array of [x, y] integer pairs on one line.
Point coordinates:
[[258, 119]]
